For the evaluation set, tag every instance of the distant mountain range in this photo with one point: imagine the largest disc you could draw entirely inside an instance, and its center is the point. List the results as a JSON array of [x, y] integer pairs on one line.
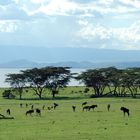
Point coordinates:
[[49, 55], [29, 57], [73, 64]]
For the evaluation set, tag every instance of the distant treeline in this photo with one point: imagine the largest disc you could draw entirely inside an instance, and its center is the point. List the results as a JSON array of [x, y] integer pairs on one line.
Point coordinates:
[[104, 81], [112, 81]]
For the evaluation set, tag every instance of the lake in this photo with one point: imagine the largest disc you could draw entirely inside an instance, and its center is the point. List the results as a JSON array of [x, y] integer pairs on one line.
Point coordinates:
[[4, 72]]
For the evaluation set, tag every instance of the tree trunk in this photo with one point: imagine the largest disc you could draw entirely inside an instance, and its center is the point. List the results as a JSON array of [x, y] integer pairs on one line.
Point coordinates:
[[40, 97], [20, 96], [53, 94], [38, 94], [98, 92]]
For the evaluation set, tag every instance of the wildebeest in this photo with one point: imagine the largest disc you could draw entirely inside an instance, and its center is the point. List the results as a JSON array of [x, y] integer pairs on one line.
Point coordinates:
[[43, 107], [32, 107], [26, 105], [92, 107], [108, 107], [84, 103], [73, 107], [29, 112], [55, 105], [38, 111], [8, 111], [86, 108], [50, 107], [125, 110], [20, 104]]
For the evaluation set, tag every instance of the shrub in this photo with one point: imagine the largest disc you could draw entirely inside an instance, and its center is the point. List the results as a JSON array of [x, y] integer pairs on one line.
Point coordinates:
[[8, 94], [86, 90]]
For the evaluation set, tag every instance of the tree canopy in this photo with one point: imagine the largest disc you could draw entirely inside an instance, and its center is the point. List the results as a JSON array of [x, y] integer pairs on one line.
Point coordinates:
[[17, 82], [39, 79], [104, 81], [118, 81]]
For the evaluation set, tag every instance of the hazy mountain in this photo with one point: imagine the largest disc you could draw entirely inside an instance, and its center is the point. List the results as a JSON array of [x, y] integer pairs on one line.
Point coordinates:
[[85, 64], [49, 55], [19, 64]]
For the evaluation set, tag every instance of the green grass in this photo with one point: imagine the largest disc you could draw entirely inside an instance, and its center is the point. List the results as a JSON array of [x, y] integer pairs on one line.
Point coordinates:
[[64, 124]]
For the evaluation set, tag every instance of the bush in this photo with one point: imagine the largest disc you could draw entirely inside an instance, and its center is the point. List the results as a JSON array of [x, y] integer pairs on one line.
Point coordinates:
[[8, 94], [86, 90]]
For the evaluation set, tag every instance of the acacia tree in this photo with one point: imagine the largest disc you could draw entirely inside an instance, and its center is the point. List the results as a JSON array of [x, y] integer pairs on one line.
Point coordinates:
[[59, 78], [119, 81], [114, 80], [36, 79], [52, 78], [17, 81], [95, 79], [108, 74], [131, 80]]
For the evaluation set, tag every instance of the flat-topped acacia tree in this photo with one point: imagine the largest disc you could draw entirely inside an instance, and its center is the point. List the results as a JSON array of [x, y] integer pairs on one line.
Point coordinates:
[[95, 79], [36, 79], [52, 78], [59, 77], [17, 82], [118, 82]]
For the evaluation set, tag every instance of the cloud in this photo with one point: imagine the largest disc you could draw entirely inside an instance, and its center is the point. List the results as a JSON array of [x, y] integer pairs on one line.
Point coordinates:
[[49, 7], [126, 37], [104, 23], [69, 7], [90, 31], [12, 12], [59, 7], [134, 3], [5, 2], [8, 26], [88, 8], [39, 1]]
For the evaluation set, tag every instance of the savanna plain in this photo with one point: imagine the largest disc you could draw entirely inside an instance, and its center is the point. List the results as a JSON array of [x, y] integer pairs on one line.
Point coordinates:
[[64, 124]]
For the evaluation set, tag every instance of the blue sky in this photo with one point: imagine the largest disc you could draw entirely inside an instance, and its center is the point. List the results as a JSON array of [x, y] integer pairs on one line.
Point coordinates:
[[105, 24]]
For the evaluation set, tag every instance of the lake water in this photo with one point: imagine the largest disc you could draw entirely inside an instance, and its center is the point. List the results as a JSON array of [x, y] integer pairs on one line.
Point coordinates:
[[4, 72]]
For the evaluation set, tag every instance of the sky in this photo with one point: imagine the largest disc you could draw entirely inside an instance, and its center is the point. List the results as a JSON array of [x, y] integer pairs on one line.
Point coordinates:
[[103, 24]]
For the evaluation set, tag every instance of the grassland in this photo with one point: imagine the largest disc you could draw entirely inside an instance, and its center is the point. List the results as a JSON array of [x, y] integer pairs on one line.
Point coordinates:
[[64, 124]]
